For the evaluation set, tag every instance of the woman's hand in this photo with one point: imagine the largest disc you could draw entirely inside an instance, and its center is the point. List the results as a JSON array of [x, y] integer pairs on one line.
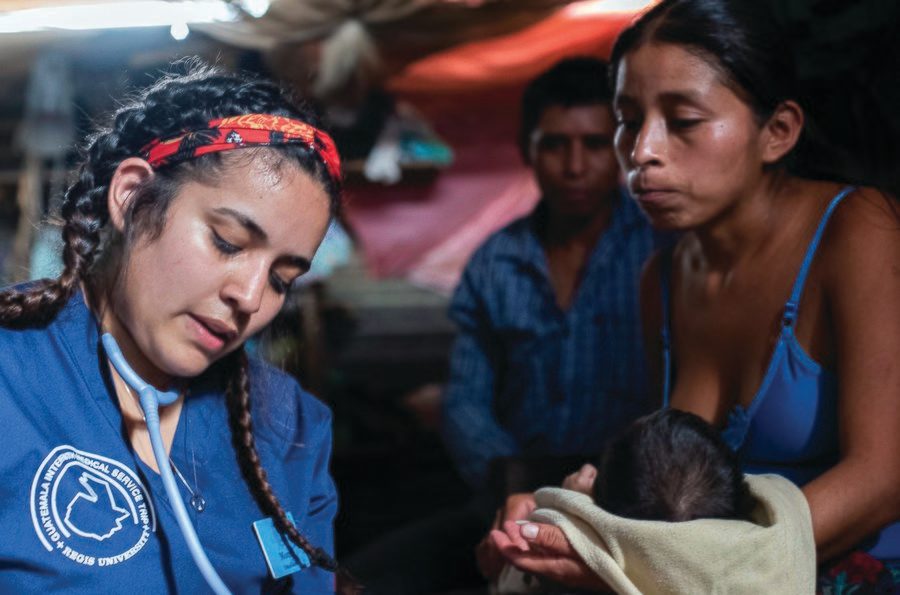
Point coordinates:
[[582, 480], [490, 562], [543, 550]]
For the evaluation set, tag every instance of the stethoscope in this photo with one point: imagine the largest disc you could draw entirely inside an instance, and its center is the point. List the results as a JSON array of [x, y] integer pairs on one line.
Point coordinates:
[[150, 400]]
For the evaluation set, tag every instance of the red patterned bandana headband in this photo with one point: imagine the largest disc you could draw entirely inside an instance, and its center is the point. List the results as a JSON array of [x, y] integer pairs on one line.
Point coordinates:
[[249, 130]]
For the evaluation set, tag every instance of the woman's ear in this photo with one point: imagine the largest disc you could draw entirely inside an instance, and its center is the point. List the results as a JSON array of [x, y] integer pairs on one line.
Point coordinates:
[[782, 131], [128, 177]]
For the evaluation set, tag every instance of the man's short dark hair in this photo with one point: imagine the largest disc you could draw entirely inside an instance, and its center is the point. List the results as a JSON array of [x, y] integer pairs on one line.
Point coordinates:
[[572, 82], [671, 466]]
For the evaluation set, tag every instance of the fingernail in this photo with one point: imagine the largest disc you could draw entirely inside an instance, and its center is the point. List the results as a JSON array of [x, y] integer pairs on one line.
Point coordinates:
[[529, 531], [521, 522]]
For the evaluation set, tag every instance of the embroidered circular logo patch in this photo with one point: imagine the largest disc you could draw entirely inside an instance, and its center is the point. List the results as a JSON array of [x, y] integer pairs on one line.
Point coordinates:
[[91, 509]]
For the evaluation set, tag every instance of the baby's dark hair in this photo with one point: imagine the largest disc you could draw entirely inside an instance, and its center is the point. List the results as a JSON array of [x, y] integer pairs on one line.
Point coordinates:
[[94, 252], [671, 466]]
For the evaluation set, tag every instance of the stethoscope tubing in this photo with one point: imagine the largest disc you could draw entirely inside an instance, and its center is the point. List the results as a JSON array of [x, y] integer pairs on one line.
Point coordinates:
[[150, 400]]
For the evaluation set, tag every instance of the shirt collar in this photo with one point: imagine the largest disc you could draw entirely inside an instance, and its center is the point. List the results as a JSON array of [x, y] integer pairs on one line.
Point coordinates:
[[524, 245]]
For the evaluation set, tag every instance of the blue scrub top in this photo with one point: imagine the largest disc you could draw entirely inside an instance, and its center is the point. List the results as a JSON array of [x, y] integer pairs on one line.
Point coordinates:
[[81, 513]]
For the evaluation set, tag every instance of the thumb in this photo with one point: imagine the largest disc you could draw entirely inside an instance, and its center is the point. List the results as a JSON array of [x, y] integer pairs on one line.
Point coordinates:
[[588, 472], [547, 537]]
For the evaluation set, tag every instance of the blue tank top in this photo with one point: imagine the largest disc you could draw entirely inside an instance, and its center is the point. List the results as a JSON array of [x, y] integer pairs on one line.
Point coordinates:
[[790, 426]]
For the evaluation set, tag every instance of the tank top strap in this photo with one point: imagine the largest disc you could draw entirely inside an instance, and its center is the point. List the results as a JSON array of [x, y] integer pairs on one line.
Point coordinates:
[[793, 304], [666, 332]]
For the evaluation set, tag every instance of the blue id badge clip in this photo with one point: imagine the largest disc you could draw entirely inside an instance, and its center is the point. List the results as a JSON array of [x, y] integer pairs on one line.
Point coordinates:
[[283, 556]]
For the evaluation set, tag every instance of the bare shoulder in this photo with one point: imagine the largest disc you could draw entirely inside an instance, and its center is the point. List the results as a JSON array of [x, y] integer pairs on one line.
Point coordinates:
[[868, 208], [864, 235]]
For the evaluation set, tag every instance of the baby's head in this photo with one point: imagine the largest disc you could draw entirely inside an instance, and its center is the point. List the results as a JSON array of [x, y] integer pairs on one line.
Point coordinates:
[[671, 466]]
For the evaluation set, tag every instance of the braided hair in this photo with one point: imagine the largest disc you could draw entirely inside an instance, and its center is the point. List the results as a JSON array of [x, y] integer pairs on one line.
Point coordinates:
[[171, 106]]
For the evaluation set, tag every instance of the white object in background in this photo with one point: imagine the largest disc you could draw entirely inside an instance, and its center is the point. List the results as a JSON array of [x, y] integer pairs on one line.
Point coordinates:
[[255, 8], [383, 161], [179, 31], [113, 15]]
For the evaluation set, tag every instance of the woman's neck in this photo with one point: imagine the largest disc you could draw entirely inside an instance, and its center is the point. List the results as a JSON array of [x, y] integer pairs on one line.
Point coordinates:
[[136, 426], [129, 404], [110, 323], [747, 226]]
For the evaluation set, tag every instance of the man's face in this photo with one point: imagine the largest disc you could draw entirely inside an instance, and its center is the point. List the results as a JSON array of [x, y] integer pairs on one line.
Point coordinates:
[[571, 152]]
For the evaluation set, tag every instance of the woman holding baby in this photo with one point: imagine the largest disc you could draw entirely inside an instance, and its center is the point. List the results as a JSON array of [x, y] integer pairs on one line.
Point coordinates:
[[776, 316]]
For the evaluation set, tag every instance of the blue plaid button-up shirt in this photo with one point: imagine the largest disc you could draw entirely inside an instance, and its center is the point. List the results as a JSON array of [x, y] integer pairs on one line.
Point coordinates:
[[528, 378]]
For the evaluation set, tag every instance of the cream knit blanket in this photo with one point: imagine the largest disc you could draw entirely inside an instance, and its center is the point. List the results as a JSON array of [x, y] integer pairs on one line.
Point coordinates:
[[773, 554]]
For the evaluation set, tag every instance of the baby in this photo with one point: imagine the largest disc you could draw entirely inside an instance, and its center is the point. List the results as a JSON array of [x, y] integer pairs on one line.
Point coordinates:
[[670, 466], [666, 466]]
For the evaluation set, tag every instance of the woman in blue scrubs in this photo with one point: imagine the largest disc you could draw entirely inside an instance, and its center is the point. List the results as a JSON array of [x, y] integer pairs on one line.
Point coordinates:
[[191, 215], [775, 317]]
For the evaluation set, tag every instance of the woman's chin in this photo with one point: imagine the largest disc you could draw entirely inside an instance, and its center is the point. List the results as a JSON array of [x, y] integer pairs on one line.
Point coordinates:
[[194, 362], [187, 365]]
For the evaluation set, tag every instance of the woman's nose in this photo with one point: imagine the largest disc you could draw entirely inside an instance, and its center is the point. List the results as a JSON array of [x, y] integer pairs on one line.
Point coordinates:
[[649, 144], [245, 288]]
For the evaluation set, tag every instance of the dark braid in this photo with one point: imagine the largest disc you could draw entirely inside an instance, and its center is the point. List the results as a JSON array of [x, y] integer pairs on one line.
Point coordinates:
[[238, 399]]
